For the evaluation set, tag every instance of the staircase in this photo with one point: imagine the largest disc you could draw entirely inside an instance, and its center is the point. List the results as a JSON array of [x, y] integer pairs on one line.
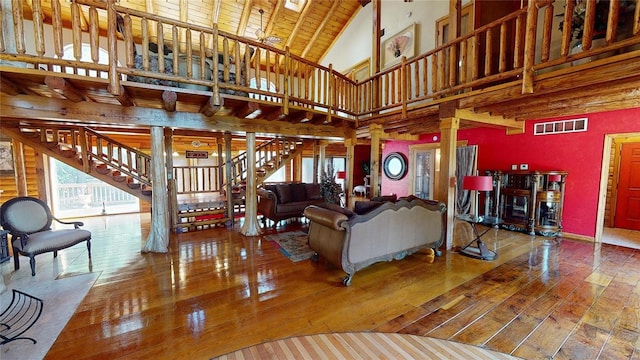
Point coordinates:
[[90, 152], [129, 169], [271, 155]]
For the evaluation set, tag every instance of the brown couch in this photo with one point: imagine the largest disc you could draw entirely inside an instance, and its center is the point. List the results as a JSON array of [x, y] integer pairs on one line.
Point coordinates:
[[375, 232], [280, 201]]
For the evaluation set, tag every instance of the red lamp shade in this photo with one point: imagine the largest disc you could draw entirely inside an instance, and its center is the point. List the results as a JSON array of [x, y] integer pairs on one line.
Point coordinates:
[[554, 178], [341, 175], [479, 183]]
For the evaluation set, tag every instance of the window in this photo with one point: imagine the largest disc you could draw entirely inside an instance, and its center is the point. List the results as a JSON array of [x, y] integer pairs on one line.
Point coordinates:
[[264, 86], [103, 58]]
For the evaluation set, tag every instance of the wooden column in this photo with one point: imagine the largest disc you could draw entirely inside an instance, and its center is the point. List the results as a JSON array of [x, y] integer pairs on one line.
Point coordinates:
[[447, 186], [20, 171], [348, 182], [250, 226], [376, 133], [315, 162], [322, 160], [158, 239], [227, 174], [375, 47], [171, 181], [43, 176]]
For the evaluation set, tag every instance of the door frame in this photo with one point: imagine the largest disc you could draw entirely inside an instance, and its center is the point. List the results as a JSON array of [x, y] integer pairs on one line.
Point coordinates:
[[604, 175]]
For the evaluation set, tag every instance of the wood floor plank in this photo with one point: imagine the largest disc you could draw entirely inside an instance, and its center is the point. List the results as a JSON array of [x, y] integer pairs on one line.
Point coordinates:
[[217, 291]]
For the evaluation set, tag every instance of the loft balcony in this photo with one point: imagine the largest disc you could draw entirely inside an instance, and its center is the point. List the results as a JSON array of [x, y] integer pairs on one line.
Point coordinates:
[[516, 68]]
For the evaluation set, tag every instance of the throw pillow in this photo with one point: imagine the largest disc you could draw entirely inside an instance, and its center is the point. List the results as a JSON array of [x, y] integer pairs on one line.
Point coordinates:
[[337, 208], [284, 193], [298, 192], [363, 207], [313, 191]]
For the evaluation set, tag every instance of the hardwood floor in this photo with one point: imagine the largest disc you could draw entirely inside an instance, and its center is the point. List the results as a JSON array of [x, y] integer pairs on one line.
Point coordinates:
[[217, 291]]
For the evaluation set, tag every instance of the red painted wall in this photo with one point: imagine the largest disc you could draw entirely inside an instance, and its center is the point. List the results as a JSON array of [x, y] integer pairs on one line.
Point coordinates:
[[580, 154]]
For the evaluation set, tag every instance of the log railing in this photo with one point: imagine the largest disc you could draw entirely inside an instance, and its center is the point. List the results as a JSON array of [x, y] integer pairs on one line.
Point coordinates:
[[514, 48]]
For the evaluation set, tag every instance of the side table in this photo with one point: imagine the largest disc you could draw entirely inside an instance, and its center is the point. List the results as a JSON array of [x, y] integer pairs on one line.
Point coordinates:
[[480, 250]]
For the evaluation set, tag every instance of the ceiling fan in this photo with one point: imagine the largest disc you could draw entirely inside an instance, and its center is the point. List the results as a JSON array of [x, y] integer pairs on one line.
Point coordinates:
[[262, 35]]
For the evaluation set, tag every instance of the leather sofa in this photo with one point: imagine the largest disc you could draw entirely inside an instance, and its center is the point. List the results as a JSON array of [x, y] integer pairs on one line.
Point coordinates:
[[280, 201], [374, 232]]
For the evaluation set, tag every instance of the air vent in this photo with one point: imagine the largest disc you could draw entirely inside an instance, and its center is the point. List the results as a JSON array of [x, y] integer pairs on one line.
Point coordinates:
[[561, 127]]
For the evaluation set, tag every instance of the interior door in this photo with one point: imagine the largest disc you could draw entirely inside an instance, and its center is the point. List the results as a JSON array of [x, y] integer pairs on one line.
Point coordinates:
[[628, 198], [424, 174]]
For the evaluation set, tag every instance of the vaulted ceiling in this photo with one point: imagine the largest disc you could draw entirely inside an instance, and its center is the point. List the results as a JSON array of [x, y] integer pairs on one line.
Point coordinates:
[[307, 27]]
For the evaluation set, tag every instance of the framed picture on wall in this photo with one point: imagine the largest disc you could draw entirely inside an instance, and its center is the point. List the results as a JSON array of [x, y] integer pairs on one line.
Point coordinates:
[[399, 45], [6, 158]]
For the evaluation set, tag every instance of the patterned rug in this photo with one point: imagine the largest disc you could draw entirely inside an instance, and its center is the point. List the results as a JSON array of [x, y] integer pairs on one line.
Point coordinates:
[[293, 245]]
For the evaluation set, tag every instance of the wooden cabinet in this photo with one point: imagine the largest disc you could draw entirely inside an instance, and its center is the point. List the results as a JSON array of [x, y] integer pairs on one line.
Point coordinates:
[[529, 201]]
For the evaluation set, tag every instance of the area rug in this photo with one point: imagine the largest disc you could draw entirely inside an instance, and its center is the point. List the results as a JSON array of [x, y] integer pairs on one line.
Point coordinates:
[[364, 346], [293, 244], [61, 295]]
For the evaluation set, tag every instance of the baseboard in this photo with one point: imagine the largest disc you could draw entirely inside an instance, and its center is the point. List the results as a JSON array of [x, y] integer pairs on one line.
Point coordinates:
[[578, 237]]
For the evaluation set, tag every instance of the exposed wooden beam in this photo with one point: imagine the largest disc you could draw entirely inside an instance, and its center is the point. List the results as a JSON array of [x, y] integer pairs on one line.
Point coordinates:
[[489, 120], [244, 18], [320, 28], [64, 88], [169, 100], [299, 24], [211, 106], [123, 97], [23, 107], [271, 21], [8, 87]]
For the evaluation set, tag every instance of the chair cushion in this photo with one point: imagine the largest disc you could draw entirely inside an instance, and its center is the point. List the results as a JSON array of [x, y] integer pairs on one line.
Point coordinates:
[[284, 193], [313, 191], [51, 240], [298, 192]]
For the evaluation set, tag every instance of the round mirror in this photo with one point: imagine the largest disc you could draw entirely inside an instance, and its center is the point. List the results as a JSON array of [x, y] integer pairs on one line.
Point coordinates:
[[395, 166]]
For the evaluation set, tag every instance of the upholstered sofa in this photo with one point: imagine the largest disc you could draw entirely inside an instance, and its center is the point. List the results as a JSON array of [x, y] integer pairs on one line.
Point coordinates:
[[280, 201], [374, 232]]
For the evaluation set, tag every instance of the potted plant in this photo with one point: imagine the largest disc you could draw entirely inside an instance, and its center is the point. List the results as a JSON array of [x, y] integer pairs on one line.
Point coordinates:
[[329, 189]]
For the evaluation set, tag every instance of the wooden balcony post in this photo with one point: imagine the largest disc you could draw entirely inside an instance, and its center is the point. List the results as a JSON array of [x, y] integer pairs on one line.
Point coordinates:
[[529, 48], [287, 80], [250, 226], [227, 174], [449, 126], [112, 39], [158, 239], [376, 133]]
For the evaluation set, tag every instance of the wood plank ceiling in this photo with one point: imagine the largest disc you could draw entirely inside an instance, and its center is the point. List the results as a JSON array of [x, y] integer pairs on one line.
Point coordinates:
[[307, 27]]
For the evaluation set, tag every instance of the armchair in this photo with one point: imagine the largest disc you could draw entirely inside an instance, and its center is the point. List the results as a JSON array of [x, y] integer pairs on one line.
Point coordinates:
[[29, 220]]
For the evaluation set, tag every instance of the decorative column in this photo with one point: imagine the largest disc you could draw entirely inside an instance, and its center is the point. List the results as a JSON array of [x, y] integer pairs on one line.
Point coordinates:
[[171, 181], [322, 158], [158, 239], [228, 177], [348, 182], [315, 161], [21, 173], [376, 133], [447, 184], [250, 226]]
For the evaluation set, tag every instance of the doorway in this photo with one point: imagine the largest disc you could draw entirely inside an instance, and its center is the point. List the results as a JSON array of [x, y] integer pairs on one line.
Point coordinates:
[[627, 209], [424, 170], [607, 230]]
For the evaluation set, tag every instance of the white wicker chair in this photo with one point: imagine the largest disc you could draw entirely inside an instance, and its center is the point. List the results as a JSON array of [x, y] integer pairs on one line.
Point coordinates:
[[28, 220]]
